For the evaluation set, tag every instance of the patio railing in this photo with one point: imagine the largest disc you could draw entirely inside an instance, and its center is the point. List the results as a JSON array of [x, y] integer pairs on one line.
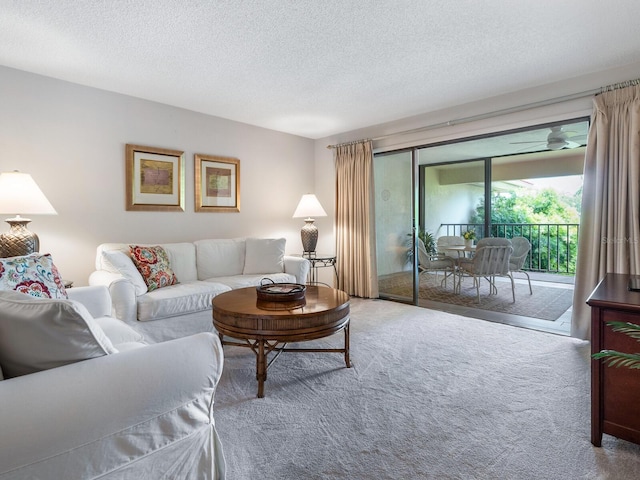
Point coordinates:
[[554, 246]]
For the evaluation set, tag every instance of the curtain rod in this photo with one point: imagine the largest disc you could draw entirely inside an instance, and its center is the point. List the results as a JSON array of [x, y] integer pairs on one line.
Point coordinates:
[[484, 116]]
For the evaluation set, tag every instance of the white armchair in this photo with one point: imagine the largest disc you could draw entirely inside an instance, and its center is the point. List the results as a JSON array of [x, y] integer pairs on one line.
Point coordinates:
[[143, 413]]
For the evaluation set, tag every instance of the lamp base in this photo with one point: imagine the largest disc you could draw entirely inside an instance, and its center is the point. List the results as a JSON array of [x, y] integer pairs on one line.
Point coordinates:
[[19, 240], [309, 236]]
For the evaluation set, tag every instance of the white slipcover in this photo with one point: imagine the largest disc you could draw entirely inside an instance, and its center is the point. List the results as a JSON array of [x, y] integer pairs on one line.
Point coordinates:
[[143, 413]]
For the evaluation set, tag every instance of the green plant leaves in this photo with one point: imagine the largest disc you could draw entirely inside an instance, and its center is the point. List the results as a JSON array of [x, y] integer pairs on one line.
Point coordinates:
[[613, 358]]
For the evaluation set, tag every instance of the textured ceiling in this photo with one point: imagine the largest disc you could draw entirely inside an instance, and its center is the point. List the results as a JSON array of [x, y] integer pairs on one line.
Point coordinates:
[[317, 67]]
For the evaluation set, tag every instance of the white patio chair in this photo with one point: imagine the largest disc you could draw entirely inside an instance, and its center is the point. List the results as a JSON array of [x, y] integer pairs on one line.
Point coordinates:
[[521, 248], [434, 263], [449, 241], [491, 260]]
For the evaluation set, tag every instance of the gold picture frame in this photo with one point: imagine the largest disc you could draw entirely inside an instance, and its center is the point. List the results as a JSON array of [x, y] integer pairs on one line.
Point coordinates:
[[154, 179], [217, 183]]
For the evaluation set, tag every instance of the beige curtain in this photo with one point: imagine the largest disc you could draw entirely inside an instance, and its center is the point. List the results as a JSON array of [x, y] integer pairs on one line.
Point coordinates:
[[609, 226], [355, 234]]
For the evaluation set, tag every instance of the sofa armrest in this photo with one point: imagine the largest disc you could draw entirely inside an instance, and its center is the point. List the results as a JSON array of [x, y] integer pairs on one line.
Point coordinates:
[[297, 266], [122, 291], [96, 299], [105, 414]]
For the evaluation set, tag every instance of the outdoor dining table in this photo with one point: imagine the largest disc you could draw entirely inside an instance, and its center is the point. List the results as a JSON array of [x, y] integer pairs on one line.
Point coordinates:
[[462, 250]]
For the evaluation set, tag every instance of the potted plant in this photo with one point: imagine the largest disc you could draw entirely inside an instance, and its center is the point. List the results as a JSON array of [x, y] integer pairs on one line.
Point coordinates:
[[469, 236], [613, 358]]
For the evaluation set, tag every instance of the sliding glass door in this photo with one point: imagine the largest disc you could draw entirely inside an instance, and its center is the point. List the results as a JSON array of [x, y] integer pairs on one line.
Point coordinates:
[[524, 182], [395, 202]]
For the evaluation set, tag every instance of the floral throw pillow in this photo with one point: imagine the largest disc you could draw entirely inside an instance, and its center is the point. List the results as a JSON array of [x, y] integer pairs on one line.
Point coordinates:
[[153, 265], [33, 274]]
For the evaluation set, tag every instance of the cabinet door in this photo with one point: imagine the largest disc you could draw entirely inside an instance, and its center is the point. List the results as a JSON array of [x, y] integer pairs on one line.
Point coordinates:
[[621, 385]]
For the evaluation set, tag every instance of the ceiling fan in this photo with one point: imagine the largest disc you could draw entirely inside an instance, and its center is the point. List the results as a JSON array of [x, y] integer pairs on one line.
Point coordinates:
[[558, 139]]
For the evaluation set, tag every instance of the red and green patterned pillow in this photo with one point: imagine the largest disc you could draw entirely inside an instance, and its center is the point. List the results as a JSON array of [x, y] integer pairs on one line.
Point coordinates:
[[153, 264], [33, 274]]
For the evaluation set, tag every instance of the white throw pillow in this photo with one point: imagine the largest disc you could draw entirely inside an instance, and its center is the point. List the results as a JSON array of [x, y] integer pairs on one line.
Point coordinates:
[[264, 255], [220, 257], [39, 334], [119, 262]]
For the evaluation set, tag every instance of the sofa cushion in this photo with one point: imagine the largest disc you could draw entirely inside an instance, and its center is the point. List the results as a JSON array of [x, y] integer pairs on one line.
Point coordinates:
[[38, 334], [264, 255], [119, 332], [178, 300], [33, 274], [117, 261], [182, 257], [220, 257], [153, 264]]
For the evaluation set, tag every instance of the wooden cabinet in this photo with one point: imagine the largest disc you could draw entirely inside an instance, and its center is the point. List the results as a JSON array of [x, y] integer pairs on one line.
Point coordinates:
[[615, 392]]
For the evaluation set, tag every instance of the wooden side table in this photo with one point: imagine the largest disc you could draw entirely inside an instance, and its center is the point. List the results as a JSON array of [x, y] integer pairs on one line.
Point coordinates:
[[614, 391]]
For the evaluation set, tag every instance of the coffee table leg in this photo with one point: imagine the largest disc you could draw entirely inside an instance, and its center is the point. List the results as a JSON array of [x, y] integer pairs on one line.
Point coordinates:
[[346, 345], [261, 368]]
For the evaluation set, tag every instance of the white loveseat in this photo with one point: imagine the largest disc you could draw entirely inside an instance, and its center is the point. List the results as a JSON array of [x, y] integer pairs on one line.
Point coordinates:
[[136, 410], [204, 269]]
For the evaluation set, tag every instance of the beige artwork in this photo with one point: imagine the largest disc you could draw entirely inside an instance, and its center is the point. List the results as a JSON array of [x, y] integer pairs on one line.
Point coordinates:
[[156, 177], [218, 182]]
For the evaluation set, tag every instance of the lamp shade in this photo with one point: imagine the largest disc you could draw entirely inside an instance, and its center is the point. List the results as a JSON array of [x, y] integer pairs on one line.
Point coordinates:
[[309, 206], [20, 195]]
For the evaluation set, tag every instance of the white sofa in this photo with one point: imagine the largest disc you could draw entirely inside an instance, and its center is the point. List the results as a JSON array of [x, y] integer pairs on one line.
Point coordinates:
[[141, 411], [204, 269]]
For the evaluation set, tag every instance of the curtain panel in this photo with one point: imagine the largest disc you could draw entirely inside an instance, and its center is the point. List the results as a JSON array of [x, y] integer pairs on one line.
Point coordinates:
[[609, 238], [355, 246]]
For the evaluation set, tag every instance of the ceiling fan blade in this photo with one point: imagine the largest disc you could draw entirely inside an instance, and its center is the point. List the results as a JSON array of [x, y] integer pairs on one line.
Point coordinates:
[[532, 147], [571, 144], [578, 138], [534, 141]]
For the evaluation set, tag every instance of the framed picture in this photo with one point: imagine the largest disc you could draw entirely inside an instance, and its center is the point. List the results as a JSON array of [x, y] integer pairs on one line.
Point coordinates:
[[217, 184], [155, 179]]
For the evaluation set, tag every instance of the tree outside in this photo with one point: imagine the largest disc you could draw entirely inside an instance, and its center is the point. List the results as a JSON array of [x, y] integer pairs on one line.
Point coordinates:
[[547, 217]]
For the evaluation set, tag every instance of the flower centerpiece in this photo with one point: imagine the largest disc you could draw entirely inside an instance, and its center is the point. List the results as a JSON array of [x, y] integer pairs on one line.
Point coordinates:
[[469, 236]]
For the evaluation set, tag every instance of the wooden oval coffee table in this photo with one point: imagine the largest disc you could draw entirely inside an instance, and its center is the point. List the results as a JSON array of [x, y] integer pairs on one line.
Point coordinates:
[[267, 327]]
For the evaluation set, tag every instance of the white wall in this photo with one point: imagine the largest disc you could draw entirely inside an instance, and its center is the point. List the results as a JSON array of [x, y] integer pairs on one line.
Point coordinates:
[[450, 203], [71, 139]]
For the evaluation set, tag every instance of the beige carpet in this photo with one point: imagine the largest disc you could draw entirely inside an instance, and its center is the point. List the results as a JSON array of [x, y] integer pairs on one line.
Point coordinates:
[[430, 395], [546, 303]]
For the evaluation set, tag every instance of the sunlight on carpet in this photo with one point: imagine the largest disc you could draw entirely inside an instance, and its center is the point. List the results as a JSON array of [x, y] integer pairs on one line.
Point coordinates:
[[546, 303]]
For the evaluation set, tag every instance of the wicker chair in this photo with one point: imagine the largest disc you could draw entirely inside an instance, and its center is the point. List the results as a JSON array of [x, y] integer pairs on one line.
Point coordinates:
[[448, 241], [521, 248], [491, 260], [434, 263]]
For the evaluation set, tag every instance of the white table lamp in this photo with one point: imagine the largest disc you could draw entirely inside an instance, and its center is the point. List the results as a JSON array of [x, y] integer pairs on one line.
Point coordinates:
[[308, 207], [19, 194]]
